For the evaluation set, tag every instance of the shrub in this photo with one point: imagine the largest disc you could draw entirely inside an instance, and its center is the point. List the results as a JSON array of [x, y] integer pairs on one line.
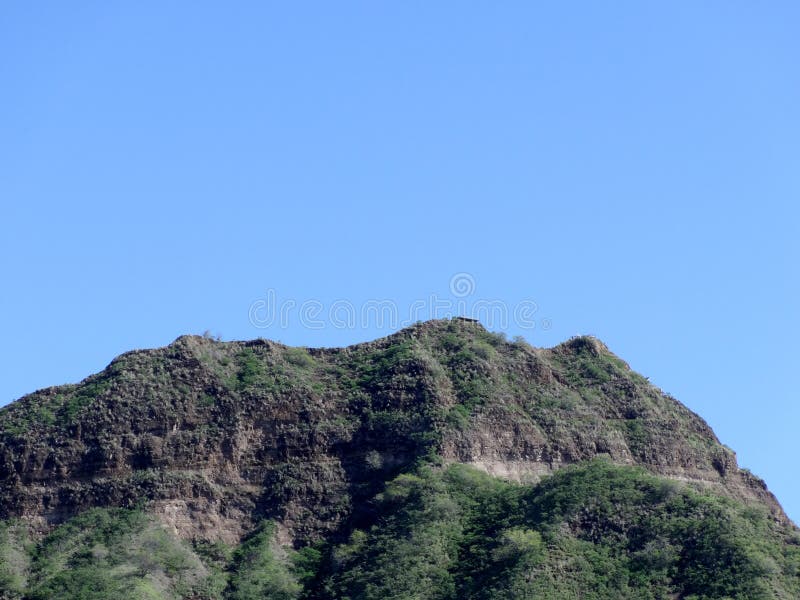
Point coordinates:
[[104, 553], [257, 573], [299, 357]]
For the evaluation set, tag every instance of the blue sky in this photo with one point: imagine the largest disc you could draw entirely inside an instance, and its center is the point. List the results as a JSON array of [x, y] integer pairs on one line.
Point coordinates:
[[633, 169]]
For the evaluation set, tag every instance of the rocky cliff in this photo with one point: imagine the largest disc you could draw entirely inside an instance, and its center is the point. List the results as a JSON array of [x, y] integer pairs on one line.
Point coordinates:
[[213, 439]]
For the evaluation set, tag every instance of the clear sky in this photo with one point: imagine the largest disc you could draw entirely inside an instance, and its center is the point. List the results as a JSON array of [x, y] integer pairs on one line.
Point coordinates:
[[633, 168]]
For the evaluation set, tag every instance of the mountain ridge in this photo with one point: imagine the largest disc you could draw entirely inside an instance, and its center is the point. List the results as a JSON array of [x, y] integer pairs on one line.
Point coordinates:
[[522, 457], [213, 439]]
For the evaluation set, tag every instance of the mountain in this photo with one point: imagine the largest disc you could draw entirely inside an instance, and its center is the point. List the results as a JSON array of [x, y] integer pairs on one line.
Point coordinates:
[[440, 462]]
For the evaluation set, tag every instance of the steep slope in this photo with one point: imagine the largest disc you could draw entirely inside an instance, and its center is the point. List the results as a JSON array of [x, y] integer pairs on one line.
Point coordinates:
[[215, 440]]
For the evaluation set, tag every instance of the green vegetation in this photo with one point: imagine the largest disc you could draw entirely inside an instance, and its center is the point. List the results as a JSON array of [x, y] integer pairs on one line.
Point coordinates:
[[299, 357], [111, 553], [458, 417], [468, 358], [15, 549], [251, 369], [55, 409], [274, 373], [83, 397], [596, 531], [381, 367], [593, 531], [206, 400], [105, 553], [257, 571]]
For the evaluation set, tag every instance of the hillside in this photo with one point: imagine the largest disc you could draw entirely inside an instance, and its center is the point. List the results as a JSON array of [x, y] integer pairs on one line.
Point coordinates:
[[212, 469]]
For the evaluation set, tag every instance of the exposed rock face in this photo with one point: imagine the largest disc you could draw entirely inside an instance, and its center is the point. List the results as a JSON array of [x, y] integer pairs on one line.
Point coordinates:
[[213, 437]]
